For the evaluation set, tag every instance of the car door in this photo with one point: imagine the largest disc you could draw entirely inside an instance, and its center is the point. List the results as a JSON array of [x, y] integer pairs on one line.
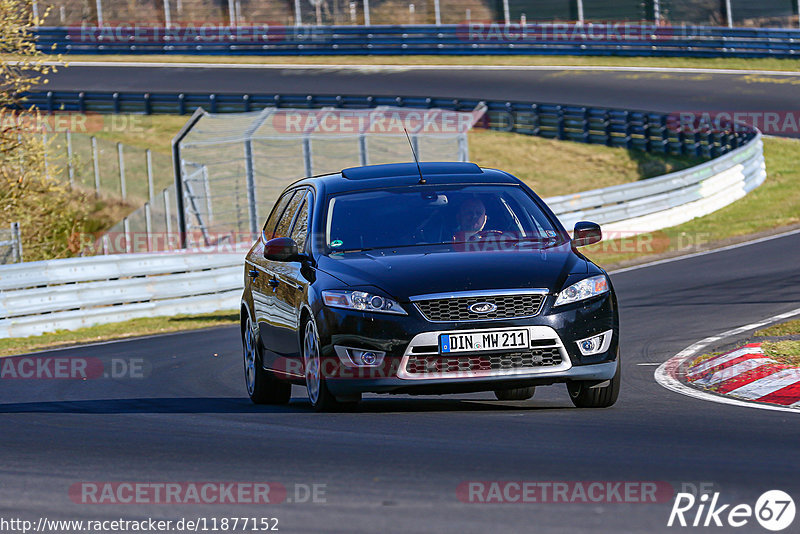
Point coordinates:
[[292, 283], [260, 274], [279, 323]]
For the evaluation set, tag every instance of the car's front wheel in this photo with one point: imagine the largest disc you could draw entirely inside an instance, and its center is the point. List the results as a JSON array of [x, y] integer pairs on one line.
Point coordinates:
[[584, 396], [322, 400], [515, 394], [262, 387]]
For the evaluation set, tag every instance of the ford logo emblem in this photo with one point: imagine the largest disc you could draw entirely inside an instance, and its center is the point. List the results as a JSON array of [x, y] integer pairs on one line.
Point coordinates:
[[482, 307]]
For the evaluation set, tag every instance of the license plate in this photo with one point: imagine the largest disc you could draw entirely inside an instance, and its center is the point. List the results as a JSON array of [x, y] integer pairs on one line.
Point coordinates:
[[483, 341]]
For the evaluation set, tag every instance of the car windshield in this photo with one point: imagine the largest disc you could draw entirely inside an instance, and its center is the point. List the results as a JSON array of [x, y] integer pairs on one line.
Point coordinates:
[[435, 215]]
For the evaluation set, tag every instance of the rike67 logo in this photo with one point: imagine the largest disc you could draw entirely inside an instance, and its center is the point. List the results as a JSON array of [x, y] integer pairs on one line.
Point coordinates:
[[774, 510]]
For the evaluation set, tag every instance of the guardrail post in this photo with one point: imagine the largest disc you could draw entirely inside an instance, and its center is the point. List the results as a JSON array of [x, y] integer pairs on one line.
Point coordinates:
[[507, 12], [96, 165], [437, 12], [115, 98], [366, 13], [99, 13], [251, 186], [297, 16], [147, 107], [15, 236], [70, 167], [121, 170]]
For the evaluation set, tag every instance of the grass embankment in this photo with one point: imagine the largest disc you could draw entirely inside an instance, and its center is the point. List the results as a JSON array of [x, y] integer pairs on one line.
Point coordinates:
[[126, 329], [769, 207], [521, 60], [786, 351]]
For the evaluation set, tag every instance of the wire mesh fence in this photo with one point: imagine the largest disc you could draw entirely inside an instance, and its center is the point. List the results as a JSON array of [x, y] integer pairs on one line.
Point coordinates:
[[10, 245], [346, 12], [234, 166]]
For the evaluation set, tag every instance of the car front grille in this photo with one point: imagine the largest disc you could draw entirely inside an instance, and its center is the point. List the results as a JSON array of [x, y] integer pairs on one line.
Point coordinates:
[[457, 308], [435, 364]]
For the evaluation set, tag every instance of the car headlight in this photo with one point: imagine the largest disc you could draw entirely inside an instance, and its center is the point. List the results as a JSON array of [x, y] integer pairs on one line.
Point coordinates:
[[361, 301], [586, 288]]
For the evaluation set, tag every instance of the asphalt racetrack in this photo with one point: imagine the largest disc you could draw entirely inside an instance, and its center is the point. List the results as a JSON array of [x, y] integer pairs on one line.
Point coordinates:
[[646, 90], [397, 463]]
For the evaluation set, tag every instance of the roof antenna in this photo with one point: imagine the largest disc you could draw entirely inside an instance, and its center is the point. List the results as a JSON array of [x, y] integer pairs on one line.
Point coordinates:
[[416, 160]]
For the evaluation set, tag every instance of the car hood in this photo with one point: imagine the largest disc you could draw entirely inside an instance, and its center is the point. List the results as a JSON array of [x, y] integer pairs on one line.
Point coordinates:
[[405, 273]]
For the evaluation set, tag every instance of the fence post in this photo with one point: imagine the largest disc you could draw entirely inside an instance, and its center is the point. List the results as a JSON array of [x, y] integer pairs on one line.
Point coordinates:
[[307, 163], [167, 17], [366, 13], [70, 168], [15, 236], [298, 21], [121, 170], [363, 158], [167, 214], [251, 187], [580, 12], [99, 13], [126, 230], [231, 13], [437, 12], [96, 167], [729, 13], [463, 147], [150, 194], [507, 12], [148, 226]]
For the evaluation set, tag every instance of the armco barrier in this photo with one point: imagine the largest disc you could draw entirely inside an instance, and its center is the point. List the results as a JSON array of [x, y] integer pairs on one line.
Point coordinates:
[[50, 295], [643, 130], [620, 39], [67, 294]]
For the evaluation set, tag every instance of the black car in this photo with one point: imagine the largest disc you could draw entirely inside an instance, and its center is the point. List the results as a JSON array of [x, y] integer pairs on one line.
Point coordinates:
[[442, 278]]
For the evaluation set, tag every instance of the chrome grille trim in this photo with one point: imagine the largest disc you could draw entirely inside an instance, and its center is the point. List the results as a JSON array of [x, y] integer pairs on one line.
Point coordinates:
[[430, 340], [453, 307]]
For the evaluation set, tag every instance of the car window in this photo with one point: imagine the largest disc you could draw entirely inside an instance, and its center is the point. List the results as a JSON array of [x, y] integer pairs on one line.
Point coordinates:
[[285, 222], [436, 215], [269, 227], [300, 228]]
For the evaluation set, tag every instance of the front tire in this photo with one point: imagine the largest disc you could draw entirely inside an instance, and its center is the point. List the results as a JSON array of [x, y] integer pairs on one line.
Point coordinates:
[[320, 397], [598, 397], [262, 386], [515, 394]]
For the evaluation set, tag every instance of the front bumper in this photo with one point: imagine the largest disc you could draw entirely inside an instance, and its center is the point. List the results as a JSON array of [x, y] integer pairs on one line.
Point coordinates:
[[404, 337]]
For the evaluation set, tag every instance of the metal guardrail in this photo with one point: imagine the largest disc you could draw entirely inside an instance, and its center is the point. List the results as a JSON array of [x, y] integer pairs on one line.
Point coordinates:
[[452, 39], [643, 130], [72, 293]]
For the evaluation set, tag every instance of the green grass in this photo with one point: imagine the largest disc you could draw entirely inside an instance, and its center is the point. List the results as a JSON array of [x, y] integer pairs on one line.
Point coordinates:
[[771, 206], [521, 60], [787, 352], [783, 329], [125, 329]]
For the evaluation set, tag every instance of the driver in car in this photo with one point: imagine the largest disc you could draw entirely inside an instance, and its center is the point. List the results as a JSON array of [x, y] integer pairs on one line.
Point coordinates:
[[471, 219]]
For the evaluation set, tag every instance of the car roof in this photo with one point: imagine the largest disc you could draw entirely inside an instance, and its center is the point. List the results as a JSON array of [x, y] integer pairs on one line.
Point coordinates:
[[399, 174]]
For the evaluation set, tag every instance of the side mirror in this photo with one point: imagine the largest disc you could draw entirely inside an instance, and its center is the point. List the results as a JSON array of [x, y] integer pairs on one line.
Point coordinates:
[[586, 233], [281, 249]]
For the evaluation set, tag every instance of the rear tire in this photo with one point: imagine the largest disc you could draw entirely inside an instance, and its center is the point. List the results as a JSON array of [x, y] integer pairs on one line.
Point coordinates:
[[515, 394], [262, 386], [599, 397]]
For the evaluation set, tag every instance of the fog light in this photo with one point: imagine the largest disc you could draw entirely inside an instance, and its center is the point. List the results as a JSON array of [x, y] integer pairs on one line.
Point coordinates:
[[351, 357], [595, 344], [368, 358]]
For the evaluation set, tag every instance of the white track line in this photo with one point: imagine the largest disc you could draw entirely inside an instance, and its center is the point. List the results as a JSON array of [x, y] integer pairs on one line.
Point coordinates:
[[704, 253], [294, 66], [665, 375]]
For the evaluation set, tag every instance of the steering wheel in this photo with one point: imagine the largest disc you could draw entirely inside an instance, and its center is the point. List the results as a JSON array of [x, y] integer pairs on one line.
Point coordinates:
[[484, 234]]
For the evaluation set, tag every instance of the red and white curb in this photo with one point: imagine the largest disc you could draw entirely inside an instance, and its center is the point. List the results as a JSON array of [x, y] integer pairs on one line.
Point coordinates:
[[742, 377], [745, 373]]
